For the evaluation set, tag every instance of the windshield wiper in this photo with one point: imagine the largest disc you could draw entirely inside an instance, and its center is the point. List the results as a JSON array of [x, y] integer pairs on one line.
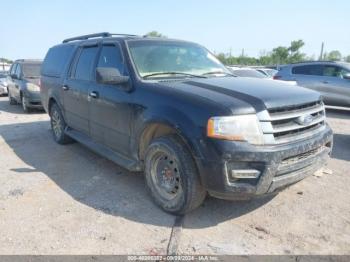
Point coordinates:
[[217, 73], [173, 73]]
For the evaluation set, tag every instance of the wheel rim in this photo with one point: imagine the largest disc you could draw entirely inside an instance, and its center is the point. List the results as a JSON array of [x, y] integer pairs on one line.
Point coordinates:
[[165, 174], [56, 123]]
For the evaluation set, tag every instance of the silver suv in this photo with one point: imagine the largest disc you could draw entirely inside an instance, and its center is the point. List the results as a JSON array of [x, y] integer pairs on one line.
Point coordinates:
[[331, 79]]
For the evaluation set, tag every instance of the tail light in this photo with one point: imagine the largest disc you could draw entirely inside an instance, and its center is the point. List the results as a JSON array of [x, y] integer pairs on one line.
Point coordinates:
[[277, 77]]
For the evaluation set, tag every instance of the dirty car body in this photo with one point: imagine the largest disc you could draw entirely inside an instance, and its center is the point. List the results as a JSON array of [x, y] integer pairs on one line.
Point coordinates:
[[289, 141]]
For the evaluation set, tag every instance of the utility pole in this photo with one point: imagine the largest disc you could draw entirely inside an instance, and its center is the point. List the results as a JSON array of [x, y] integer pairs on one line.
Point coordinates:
[[321, 54], [242, 52]]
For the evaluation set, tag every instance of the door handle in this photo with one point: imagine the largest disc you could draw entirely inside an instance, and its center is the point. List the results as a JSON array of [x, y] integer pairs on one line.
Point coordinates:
[[65, 87], [93, 94], [325, 82]]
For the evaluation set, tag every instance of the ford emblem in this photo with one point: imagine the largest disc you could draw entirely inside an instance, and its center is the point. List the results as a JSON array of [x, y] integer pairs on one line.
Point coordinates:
[[304, 120]]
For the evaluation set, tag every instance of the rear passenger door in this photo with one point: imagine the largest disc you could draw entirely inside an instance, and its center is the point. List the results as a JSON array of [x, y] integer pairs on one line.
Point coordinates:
[[309, 76], [335, 87], [110, 110], [76, 88]]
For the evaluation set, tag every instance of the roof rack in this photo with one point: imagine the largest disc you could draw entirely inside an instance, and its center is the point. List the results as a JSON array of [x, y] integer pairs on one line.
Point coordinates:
[[85, 37], [314, 61]]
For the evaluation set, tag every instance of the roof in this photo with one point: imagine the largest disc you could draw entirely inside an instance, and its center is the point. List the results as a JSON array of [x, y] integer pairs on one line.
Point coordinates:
[[28, 61]]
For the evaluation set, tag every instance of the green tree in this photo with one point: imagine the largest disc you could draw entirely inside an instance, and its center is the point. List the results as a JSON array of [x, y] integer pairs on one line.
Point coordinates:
[[294, 53], [334, 55], [5, 60], [155, 34], [280, 55]]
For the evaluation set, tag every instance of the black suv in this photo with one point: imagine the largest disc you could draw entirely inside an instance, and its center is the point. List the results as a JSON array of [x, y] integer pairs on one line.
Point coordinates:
[[171, 109]]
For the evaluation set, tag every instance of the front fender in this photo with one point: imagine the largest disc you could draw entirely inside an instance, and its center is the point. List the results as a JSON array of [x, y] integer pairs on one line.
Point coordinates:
[[189, 130]]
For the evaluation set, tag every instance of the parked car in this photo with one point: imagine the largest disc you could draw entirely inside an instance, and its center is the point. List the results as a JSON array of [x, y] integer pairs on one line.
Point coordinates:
[[23, 84], [3, 82], [169, 108], [251, 72], [331, 79], [247, 72], [269, 72]]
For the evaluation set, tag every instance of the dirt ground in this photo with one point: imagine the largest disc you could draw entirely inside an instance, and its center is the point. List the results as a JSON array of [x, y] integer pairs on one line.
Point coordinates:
[[67, 200]]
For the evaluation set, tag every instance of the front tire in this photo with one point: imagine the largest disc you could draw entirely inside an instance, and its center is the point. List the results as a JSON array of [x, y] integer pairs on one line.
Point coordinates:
[[11, 99], [172, 177], [24, 103], [58, 126]]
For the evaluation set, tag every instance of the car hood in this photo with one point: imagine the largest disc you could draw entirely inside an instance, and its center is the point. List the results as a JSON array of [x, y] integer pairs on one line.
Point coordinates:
[[247, 95]]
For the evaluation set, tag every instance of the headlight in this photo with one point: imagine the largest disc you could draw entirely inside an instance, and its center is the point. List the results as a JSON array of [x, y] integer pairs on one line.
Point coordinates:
[[33, 88], [3, 83], [238, 128]]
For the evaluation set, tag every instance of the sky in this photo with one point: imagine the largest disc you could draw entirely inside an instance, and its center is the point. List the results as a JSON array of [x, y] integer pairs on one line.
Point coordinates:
[[29, 28]]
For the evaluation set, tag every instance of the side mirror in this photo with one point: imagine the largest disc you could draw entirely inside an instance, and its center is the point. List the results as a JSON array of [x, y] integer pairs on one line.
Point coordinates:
[[346, 76], [110, 76], [14, 76]]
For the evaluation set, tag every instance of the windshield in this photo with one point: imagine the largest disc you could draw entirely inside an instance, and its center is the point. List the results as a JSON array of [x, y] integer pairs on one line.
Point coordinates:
[[31, 70], [248, 73], [166, 58]]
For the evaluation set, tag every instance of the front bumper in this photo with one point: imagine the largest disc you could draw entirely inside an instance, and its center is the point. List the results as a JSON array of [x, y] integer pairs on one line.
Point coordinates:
[[279, 166], [33, 99]]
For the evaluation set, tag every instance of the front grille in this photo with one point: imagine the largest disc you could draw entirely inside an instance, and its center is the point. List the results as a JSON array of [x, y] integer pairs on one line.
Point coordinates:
[[282, 125]]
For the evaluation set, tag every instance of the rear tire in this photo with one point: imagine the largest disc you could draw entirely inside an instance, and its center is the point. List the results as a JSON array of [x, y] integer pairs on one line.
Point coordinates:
[[172, 177], [58, 126]]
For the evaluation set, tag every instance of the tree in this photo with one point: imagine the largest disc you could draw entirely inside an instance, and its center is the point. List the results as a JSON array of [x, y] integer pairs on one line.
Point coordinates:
[[334, 55], [280, 55], [347, 59], [294, 54], [5, 60], [155, 34]]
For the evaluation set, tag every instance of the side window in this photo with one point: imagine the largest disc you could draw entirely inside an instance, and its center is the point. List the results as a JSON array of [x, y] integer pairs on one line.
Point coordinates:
[[329, 70], [314, 70], [56, 59], [83, 69], [111, 56]]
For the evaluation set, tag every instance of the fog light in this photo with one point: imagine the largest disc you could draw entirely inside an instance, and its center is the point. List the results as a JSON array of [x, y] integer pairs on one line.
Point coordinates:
[[245, 173]]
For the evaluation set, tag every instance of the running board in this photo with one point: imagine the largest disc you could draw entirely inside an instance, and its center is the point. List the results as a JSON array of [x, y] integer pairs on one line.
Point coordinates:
[[104, 151]]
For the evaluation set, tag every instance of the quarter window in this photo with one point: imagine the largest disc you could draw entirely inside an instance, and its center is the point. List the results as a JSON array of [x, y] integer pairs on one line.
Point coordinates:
[[83, 70], [111, 57]]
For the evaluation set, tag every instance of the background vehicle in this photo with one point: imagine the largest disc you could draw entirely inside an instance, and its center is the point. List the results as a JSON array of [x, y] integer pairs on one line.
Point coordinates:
[[255, 73], [269, 72], [331, 79], [23, 84], [171, 109], [3, 82]]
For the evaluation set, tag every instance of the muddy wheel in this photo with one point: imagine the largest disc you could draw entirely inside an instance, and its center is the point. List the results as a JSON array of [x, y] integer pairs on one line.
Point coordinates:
[[172, 177], [58, 125]]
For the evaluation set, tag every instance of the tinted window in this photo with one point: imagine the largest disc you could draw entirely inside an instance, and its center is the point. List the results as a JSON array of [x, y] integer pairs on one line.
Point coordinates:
[[56, 59], [111, 57], [31, 70], [316, 70], [85, 63]]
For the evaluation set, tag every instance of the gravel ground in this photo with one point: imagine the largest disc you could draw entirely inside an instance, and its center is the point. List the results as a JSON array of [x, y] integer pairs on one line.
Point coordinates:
[[67, 200]]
